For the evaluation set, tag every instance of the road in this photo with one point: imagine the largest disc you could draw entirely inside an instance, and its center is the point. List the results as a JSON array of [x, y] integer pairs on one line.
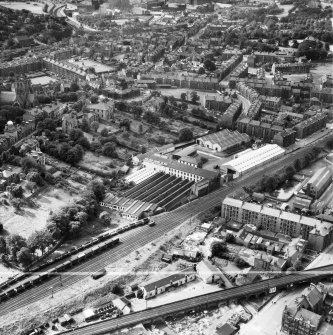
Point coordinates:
[[240, 292], [135, 239]]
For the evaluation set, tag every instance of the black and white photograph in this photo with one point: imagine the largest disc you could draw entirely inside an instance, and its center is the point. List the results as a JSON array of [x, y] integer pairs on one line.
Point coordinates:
[[166, 167]]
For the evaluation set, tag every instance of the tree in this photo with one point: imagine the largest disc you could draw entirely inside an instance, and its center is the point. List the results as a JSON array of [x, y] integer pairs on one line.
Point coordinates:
[[109, 150], [85, 125], [183, 96], [82, 217], [104, 132], [194, 96], [75, 134], [15, 242], [98, 189], [94, 99], [290, 171], [74, 87], [24, 256], [83, 142], [125, 124], [94, 126], [209, 65], [40, 240], [105, 217], [29, 163], [297, 165], [3, 245], [218, 249], [185, 134], [74, 228], [35, 177], [201, 70], [17, 191]]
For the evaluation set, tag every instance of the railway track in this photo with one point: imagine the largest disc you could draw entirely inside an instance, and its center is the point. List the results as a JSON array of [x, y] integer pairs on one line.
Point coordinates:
[[134, 240], [240, 292]]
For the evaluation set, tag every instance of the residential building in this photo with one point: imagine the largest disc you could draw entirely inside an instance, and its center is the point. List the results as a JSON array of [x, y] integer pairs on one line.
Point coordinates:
[[321, 236], [303, 316], [217, 102], [285, 138], [310, 126], [104, 110], [69, 122], [291, 67], [231, 115], [317, 232]]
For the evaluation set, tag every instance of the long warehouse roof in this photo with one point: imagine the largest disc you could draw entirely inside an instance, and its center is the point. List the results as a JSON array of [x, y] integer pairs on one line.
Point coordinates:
[[255, 157]]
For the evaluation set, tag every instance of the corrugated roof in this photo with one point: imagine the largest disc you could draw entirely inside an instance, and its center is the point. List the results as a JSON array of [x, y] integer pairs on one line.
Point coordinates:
[[254, 158]]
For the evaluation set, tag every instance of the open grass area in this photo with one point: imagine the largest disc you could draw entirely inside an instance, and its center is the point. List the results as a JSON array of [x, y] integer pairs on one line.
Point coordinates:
[[30, 219]]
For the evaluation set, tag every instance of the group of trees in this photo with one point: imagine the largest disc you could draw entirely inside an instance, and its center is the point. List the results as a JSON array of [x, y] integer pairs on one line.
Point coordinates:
[[185, 134], [269, 183], [45, 28], [14, 248], [65, 223], [69, 221], [10, 113], [69, 149], [219, 249]]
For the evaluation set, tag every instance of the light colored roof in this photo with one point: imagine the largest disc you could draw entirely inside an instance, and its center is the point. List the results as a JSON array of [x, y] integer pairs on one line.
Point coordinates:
[[172, 164], [251, 207], [270, 211], [255, 157], [309, 221], [290, 217], [233, 202], [320, 177]]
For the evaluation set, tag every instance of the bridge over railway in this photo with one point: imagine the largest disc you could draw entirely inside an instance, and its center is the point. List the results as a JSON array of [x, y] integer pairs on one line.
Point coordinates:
[[264, 287]]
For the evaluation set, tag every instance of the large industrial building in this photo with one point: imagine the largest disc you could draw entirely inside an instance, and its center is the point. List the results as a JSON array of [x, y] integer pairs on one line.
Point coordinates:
[[251, 159], [319, 182], [161, 185], [318, 233], [223, 140]]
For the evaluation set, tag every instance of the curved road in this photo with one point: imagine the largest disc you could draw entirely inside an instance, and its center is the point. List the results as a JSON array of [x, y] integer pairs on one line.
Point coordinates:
[[137, 238]]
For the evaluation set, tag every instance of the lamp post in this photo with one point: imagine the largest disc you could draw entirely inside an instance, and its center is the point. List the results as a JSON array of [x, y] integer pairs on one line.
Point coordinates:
[[51, 291]]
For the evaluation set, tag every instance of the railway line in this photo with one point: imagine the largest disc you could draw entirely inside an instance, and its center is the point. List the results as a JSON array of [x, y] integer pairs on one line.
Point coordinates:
[[210, 299], [133, 240]]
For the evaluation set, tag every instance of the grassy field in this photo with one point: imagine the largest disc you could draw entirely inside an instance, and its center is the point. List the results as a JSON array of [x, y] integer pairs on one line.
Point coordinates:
[[28, 220]]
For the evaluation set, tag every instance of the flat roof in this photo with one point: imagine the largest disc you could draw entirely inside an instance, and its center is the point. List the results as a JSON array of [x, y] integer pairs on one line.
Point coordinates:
[[233, 202], [270, 211]]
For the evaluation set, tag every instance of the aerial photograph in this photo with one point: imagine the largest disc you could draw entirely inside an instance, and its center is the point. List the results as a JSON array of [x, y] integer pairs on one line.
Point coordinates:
[[166, 167]]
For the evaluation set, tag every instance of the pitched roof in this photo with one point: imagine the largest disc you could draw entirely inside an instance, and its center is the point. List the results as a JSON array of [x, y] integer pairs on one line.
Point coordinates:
[[164, 281]]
